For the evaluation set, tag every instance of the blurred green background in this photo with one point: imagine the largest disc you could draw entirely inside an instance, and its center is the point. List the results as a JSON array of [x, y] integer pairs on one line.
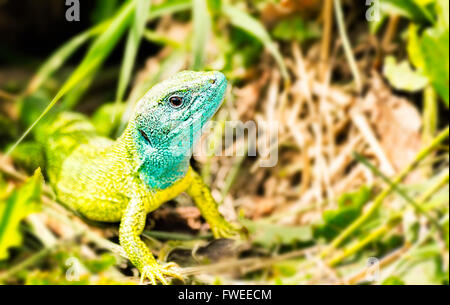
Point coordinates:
[[360, 93]]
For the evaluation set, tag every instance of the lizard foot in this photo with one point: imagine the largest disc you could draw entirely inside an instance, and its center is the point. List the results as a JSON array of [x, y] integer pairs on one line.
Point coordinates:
[[225, 229], [156, 272]]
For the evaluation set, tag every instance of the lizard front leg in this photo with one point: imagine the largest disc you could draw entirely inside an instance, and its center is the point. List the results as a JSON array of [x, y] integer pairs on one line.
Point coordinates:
[[131, 226], [208, 207]]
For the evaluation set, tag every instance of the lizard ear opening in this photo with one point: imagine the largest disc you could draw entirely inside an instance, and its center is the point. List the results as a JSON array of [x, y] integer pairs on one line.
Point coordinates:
[[144, 135]]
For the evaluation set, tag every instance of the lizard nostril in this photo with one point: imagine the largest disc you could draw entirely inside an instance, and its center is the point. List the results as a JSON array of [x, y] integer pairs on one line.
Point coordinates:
[[213, 81]]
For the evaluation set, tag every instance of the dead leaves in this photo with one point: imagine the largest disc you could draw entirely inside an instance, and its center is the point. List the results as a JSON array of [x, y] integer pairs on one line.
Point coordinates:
[[397, 123]]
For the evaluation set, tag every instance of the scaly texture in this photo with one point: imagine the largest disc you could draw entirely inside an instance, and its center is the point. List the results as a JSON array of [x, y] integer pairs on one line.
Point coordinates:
[[148, 164]]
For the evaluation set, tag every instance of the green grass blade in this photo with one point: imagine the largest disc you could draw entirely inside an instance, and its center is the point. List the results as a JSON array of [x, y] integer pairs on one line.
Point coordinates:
[[360, 158], [112, 30], [97, 53], [76, 93], [133, 40], [57, 59], [422, 154], [200, 33], [104, 10], [168, 8], [160, 39], [249, 24], [21, 202], [171, 64]]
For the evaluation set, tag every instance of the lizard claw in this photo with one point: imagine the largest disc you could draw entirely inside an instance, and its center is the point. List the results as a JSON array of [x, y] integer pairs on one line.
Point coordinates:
[[156, 272], [228, 230]]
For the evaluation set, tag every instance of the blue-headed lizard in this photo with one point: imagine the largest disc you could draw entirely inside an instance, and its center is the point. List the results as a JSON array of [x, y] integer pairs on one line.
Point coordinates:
[[148, 164]]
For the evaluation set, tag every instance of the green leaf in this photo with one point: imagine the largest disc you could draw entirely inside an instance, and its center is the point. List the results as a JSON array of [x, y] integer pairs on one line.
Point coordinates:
[[269, 235], [430, 52], [169, 7], [215, 6], [107, 117], [32, 105], [104, 9], [101, 263], [295, 29], [393, 280], [161, 39], [133, 40], [22, 202], [414, 49], [57, 59], [251, 25], [72, 97], [435, 50], [29, 155], [95, 56], [200, 33], [424, 266], [349, 208], [286, 268], [407, 8], [402, 77], [442, 10]]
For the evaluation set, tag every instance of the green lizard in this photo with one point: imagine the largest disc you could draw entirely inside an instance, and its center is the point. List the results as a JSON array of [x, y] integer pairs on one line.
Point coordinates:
[[148, 164]]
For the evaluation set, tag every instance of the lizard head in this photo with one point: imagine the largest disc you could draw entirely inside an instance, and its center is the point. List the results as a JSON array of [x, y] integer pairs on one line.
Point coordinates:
[[177, 108], [168, 119]]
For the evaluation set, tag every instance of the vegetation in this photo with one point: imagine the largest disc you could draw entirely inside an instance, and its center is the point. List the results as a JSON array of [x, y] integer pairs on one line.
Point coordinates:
[[360, 95]]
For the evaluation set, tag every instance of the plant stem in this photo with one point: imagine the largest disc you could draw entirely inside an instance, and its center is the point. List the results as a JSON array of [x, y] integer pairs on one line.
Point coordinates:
[[379, 199], [327, 16], [174, 236], [368, 239], [390, 32], [391, 222], [346, 44], [395, 187], [429, 118]]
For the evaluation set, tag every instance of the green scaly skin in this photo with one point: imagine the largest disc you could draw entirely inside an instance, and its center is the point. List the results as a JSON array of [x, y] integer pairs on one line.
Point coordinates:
[[148, 164]]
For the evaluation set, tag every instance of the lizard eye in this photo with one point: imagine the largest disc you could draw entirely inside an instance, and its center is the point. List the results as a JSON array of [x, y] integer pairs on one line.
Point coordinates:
[[144, 135], [176, 101]]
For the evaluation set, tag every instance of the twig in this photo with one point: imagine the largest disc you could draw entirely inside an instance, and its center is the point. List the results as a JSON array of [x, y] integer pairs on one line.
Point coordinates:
[[252, 263], [174, 236], [100, 241], [8, 96], [390, 31], [327, 17], [387, 260], [361, 123]]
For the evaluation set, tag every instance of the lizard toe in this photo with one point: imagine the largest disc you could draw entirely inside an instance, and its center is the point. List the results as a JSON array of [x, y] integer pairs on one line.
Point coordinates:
[[158, 272], [228, 230]]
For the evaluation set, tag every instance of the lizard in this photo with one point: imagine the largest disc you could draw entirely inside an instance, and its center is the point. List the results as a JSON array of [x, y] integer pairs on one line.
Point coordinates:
[[124, 180]]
